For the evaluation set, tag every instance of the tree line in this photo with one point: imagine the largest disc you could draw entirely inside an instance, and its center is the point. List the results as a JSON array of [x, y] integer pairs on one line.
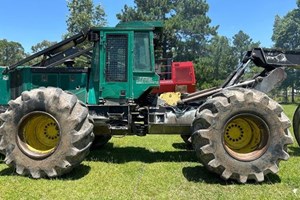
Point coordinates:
[[188, 36]]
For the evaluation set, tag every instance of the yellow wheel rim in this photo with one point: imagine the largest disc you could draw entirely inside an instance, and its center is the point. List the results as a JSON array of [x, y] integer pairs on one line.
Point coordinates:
[[246, 136], [39, 134]]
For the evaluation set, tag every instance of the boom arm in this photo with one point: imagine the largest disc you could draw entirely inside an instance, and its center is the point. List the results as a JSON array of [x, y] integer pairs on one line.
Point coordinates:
[[57, 53], [271, 60]]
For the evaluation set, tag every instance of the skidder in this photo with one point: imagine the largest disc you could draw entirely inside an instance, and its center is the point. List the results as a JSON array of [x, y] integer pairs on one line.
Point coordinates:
[[51, 111]]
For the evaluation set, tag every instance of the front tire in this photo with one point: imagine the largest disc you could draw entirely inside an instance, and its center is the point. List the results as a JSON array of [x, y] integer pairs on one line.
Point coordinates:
[[241, 134], [296, 124], [45, 132]]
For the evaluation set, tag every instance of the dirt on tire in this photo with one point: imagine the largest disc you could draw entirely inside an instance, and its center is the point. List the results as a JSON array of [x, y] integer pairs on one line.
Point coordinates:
[[209, 135], [76, 134]]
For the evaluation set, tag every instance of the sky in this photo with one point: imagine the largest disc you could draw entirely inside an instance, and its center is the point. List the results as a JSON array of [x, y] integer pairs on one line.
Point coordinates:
[[32, 21]]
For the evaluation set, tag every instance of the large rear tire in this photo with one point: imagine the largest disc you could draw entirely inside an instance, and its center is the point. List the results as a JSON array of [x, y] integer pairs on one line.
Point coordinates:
[[45, 132], [241, 134]]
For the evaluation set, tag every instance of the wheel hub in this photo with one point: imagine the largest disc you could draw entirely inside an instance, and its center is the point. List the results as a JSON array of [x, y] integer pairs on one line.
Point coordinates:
[[242, 135], [39, 134], [246, 136]]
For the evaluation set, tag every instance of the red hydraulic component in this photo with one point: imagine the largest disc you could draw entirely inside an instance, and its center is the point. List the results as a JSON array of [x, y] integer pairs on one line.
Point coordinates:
[[180, 78]]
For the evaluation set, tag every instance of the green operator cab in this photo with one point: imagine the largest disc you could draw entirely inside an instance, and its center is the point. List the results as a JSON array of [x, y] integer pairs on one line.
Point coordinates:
[[122, 68]]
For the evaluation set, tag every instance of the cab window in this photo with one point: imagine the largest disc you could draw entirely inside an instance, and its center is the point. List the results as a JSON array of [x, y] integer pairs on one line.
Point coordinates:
[[142, 59]]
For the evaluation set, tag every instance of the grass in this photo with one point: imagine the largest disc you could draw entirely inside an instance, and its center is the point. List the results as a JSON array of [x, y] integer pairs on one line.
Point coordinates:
[[150, 167]]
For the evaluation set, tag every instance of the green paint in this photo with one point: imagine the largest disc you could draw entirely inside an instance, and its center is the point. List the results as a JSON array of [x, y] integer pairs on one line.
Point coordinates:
[[4, 87], [123, 67]]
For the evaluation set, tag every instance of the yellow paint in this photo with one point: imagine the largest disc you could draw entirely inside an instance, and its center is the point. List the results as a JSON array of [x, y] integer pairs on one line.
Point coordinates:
[[171, 98], [40, 133], [242, 135]]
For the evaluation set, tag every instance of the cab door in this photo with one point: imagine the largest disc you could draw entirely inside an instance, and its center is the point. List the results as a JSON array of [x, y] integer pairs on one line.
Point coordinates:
[[115, 75]]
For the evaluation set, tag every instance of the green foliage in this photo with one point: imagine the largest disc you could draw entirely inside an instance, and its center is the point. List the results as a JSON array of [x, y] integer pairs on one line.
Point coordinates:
[[147, 10], [243, 43], [218, 63], [286, 30], [41, 46], [10, 52], [221, 58], [286, 36], [84, 14]]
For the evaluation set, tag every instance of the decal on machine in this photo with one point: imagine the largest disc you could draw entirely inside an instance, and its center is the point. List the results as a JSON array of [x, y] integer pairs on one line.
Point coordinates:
[[144, 80]]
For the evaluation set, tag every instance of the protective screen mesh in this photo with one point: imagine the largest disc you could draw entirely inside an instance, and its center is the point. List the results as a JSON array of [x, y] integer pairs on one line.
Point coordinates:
[[116, 58]]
